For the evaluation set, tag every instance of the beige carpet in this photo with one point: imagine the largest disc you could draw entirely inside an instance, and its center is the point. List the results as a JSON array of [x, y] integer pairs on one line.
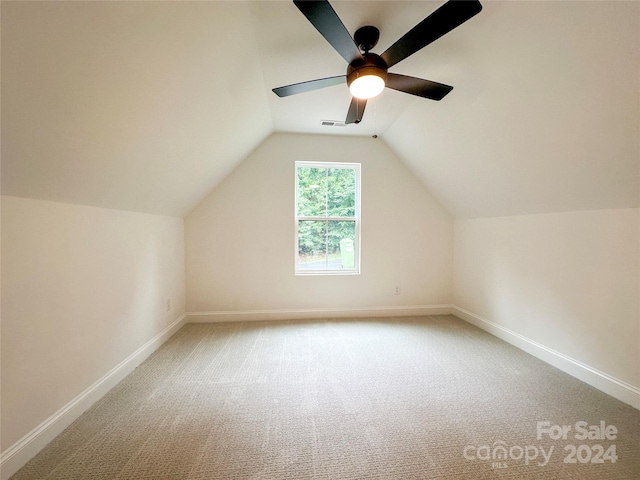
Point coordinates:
[[405, 398]]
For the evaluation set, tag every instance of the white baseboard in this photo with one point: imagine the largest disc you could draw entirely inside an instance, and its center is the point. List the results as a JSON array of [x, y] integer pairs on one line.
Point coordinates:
[[310, 313], [606, 383], [12, 459]]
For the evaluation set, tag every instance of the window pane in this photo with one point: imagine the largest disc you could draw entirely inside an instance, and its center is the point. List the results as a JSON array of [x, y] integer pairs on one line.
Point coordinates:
[[328, 241], [326, 245], [312, 245], [341, 244], [341, 197], [312, 192]]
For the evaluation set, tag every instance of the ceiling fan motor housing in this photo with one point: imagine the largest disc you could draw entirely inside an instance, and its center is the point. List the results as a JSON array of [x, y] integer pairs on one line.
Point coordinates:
[[369, 64]]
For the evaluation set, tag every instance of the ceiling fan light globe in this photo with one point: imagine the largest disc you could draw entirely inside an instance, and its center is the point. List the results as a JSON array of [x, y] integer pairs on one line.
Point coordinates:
[[367, 86]]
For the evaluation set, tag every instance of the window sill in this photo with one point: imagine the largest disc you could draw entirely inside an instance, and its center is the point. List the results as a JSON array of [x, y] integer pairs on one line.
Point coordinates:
[[307, 273]]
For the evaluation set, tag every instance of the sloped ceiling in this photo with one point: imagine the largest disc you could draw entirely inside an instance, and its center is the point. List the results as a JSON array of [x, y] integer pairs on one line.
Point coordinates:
[[140, 106], [147, 106], [545, 118]]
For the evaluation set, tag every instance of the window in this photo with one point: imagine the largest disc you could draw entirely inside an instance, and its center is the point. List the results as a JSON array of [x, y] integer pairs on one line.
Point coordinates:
[[327, 207]]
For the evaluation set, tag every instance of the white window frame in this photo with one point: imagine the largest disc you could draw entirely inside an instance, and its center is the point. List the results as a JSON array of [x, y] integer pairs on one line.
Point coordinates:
[[356, 218]]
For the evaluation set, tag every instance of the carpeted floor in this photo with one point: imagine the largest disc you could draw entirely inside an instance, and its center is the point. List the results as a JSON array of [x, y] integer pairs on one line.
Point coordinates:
[[401, 398]]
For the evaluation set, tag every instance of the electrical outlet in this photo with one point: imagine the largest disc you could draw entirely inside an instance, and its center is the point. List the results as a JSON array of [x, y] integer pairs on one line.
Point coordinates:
[[168, 304], [397, 290]]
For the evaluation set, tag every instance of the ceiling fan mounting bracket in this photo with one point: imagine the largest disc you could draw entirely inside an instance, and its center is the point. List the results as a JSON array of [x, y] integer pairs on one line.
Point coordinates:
[[366, 38]]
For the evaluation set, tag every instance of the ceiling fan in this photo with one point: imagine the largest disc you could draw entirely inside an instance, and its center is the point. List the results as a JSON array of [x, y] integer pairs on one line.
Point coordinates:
[[367, 73]]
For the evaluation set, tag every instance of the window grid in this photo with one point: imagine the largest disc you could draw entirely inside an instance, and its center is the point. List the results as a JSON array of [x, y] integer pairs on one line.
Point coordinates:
[[328, 218]]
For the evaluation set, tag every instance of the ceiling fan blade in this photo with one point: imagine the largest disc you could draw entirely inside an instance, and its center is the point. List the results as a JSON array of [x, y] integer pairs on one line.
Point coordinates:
[[309, 85], [417, 86], [356, 110], [322, 16], [449, 16]]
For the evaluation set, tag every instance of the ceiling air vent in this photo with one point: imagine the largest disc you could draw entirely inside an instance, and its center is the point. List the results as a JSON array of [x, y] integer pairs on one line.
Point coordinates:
[[332, 123]]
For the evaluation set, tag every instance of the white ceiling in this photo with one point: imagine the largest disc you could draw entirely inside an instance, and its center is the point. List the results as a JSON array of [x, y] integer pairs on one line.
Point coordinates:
[[147, 106]]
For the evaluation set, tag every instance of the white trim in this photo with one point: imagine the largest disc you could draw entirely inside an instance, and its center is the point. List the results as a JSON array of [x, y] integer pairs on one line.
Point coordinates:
[[331, 219], [12, 459], [602, 381], [310, 313], [357, 219]]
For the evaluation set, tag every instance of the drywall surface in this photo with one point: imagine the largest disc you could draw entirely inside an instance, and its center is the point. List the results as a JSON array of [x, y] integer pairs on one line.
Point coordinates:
[[82, 288], [569, 281], [240, 246], [140, 106], [544, 116]]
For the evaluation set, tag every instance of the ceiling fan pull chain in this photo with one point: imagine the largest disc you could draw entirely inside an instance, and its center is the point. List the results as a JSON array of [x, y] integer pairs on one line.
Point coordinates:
[[375, 118]]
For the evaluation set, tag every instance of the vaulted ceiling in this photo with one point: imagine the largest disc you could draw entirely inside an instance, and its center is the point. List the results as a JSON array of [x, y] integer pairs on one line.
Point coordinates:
[[147, 106]]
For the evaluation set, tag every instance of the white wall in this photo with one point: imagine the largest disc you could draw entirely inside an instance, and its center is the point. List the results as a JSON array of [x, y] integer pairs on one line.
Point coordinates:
[[240, 239], [568, 281], [82, 289]]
